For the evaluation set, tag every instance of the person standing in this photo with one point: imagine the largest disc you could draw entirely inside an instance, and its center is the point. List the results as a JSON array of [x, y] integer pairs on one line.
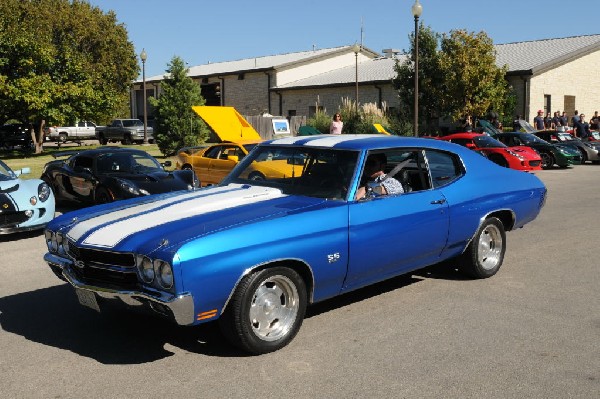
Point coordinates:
[[538, 121], [579, 126], [595, 121], [556, 121], [564, 120], [575, 118], [336, 124]]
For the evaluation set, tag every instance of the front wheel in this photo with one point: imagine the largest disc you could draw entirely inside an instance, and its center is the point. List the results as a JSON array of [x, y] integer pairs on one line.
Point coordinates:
[[547, 160], [485, 253], [266, 311]]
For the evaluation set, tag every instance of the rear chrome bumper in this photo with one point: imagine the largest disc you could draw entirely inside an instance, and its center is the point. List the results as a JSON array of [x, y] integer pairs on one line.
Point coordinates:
[[178, 307]]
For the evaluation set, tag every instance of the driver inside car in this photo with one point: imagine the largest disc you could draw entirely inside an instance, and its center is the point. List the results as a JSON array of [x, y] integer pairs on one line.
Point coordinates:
[[375, 179]]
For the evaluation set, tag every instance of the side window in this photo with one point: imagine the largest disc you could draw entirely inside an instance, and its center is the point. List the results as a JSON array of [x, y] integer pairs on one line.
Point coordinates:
[[406, 167], [83, 162], [213, 152], [80, 124], [443, 167]]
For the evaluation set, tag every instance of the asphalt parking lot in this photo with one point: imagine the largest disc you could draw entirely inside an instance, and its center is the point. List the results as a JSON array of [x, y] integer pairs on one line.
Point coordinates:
[[532, 331]]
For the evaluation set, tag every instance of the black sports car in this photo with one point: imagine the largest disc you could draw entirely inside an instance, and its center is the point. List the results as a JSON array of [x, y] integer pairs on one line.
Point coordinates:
[[112, 173]]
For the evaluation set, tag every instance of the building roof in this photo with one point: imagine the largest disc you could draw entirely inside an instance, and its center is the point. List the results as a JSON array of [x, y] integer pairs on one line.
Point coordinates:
[[264, 62], [538, 56], [372, 71], [529, 58]]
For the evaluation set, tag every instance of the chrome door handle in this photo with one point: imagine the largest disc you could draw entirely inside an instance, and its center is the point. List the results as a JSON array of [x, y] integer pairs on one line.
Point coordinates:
[[438, 202]]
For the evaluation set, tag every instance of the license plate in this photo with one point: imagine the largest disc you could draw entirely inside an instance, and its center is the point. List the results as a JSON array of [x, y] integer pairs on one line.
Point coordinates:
[[87, 298]]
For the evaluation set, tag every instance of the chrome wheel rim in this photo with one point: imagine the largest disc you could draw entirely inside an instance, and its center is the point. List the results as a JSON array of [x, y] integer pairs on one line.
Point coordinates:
[[489, 248], [274, 308]]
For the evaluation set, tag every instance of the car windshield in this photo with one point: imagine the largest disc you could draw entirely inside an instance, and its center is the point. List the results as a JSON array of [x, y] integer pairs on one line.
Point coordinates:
[[313, 172], [127, 162], [132, 123], [528, 138], [487, 142], [6, 173]]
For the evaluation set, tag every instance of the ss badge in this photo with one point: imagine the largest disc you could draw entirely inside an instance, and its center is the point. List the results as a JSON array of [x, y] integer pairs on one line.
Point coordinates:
[[333, 257]]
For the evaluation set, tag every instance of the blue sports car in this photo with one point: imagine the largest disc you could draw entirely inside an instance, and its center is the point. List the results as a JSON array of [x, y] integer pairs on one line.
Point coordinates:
[[350, 211], [24, 204]]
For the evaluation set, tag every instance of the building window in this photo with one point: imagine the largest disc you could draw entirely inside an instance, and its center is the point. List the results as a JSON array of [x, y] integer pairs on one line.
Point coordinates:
[[570, 105], [241, 76], [547, 104], [291, 112]]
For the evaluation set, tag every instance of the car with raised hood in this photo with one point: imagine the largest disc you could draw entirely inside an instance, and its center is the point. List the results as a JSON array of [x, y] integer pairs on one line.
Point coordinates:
[[253, 254], [520, 158], [213, 162], [25, 204], [108, 174]]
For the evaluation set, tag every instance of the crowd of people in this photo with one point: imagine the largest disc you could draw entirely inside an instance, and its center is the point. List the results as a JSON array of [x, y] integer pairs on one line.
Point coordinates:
[[561, 122]]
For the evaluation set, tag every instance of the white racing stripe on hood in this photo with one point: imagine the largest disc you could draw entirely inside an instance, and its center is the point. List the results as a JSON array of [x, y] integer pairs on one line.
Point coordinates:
[[86, 225], [111, 234]]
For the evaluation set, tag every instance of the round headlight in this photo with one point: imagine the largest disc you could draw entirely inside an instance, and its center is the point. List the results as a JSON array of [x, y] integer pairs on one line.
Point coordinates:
[[164, 273], [44, 192], [145, 269]]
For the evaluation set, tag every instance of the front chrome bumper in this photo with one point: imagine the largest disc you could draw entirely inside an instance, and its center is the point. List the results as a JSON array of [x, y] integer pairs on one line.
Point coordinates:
[[179, 307]]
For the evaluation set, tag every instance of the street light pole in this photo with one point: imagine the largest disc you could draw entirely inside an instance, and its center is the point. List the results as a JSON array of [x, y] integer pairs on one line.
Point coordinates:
[[356, 49], [144, 57], [417, 9]]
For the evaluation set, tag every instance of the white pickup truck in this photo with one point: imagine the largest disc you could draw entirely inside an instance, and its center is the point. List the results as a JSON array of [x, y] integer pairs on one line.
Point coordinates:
[[81, 131]]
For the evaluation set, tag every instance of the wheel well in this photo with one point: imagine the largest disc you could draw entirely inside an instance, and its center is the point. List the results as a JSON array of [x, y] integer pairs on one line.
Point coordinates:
[[506, 217], [298, 266]]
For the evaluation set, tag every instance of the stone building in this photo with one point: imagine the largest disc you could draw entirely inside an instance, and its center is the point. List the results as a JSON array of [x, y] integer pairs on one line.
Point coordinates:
[[550, 74]]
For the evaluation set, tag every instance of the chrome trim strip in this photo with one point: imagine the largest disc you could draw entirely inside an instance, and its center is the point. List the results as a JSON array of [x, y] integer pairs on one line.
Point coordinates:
[[181, 305]]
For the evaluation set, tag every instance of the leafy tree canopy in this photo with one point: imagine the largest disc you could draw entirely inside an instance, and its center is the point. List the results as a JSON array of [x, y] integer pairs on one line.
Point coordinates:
[[176, 125], [62, 61], [458, 76], [474, 84]]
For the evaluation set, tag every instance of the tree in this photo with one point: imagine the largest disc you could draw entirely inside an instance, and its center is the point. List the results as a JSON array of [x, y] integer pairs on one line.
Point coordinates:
[[431, 79], [176, 125], [474, 84], [62, 61]]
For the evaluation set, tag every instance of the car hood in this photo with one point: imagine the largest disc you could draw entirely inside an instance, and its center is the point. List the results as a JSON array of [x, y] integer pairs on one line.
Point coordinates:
[[171, 220], [228, 124]]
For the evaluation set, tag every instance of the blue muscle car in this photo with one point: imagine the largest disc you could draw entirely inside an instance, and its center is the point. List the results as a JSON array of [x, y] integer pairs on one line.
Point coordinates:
[[254, 253], [24, 204]]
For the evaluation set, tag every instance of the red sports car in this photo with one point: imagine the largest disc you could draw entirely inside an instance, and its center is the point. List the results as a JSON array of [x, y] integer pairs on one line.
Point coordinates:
[[520, 158]]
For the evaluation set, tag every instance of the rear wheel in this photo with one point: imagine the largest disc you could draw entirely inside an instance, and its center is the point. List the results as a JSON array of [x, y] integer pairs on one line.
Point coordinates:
[[62, 138], [127, 140], [102, 139], [266, 311], [584, 157], [485, 253], [256, 176]]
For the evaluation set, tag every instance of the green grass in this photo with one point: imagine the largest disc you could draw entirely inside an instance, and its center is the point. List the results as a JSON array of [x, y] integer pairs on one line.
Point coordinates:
[[19, 159]]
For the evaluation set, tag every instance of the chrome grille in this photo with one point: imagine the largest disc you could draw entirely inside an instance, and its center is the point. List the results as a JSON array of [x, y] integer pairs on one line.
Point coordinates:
[[104, 268]]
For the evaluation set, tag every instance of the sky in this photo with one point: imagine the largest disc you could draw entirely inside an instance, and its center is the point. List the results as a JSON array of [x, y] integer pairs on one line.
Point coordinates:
[[201, 31]]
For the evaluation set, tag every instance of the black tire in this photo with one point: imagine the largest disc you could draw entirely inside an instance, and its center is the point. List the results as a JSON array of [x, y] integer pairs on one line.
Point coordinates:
[[584, 157], [102, 140], [127, 140], [62, 137], [256, 176], [102, 196], [266, 310], [498, 159], [547, 160], [485, 253]]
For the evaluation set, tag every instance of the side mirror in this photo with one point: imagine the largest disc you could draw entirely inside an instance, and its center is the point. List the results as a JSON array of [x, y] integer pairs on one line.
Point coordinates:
[[166, 164], [470, 146], [233, 158]]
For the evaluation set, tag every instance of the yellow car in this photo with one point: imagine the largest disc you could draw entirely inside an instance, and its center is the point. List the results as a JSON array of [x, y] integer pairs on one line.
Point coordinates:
[[213, 162]]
